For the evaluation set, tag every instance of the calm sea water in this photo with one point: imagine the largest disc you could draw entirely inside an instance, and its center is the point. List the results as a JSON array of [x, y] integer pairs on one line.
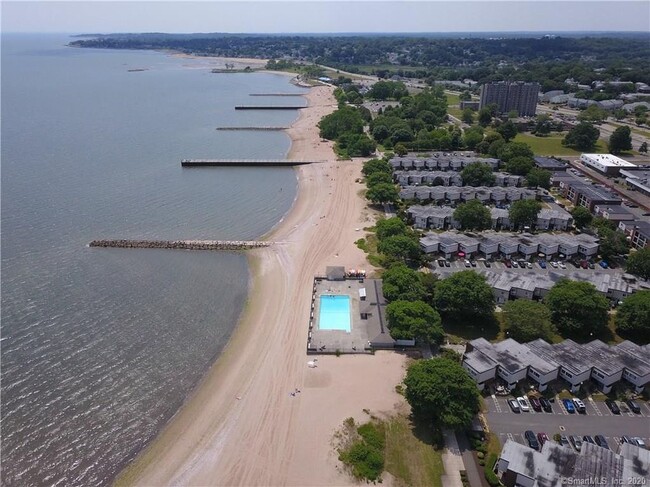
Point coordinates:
[[100, 347]]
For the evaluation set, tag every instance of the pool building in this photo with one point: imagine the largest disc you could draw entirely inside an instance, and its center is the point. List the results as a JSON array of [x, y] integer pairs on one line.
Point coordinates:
[[348, 314]]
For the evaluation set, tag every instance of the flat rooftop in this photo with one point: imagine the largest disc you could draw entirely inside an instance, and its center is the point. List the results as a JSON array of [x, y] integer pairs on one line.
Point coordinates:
[[608, 160]]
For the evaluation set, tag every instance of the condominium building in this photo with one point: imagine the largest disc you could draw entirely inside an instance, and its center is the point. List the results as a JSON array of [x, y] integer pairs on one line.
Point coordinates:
[[508, 96]]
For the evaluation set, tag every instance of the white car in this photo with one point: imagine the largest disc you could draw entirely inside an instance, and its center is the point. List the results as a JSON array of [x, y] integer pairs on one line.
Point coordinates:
[[640, 443], [523, 404], [580, 406], [529, 265], [554, 264], [562, 265]]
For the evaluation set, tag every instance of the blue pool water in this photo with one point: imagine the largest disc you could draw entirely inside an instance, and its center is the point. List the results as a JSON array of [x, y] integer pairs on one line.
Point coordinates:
[[334, 313]]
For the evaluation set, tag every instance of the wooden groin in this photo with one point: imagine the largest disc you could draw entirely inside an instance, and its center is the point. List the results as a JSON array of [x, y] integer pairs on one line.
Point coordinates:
[[244, 162], [276, 94], [252, 128], [181, 244], [268, 107]]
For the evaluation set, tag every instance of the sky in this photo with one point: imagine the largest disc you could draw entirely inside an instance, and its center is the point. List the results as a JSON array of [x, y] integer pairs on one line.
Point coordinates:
[[312, 16]]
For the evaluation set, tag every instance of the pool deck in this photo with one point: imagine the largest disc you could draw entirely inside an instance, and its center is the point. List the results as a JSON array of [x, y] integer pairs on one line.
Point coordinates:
[[368, 330]]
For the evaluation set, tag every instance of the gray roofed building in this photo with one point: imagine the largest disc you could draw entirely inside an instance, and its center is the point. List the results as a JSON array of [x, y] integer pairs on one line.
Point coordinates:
[[614, 213], [638, 179], [550, 164]]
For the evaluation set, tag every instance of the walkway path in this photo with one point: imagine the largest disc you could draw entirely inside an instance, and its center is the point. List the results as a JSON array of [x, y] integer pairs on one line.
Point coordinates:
[[452, 461], [473, 474]]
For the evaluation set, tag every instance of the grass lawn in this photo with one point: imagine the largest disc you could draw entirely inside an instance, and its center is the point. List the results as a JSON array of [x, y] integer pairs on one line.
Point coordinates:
[[552, 145], [452, 99], [410, 455]]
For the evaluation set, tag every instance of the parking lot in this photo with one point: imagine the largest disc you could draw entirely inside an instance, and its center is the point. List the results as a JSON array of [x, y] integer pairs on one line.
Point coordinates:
[[498, 266], [598, 420]]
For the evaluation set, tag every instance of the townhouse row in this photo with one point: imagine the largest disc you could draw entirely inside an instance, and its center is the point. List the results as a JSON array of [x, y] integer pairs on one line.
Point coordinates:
[[454, 161], [453, 194], [543, 363], [442, 217], [448, 178], [492, 244]]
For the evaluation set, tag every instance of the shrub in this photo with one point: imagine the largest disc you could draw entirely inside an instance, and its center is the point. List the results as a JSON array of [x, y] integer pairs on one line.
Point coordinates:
[[490, 476], [365, 461]]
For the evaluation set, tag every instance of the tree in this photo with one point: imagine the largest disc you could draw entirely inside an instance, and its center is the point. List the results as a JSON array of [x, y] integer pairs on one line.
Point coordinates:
[[638, 263], [344, 120], [582, 217], [442, 392], [400, 247], [429, 280], [376, 165], [633, 316], [468, 116], [409, 320], [577, 308], [523, 213], [477, 174], [515, 149], [643, 148], [464, 295], [543, 125], [382, 193], [400, 149], [389, 227], [377, 178], [582, 137], [612, 243], [620, 140], [527, 320], [472, 136], [592, 114], [484, 116], [508, 130], [520, 165], [538, 178], [402, 284], [465, 96], [473, 215]]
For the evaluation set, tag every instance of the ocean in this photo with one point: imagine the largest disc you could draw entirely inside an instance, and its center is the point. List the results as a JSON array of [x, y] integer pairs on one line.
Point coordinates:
[[100, 347]]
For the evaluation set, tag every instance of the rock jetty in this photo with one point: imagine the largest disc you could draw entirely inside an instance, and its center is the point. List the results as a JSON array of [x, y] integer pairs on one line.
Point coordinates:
[[181, 244]]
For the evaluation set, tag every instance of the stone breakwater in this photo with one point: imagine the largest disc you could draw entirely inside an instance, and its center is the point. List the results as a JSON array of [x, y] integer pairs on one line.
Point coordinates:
[[181, 244]]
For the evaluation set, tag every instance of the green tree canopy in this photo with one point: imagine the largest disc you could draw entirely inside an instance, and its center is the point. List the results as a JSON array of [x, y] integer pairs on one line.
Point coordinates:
[[638, 263], [400, 247], [543, 125], [382, 193], [620, 140], [592, 114], [577, 308], [414, 320], [633, 316], [484, 117], [384, 90], [508, 130], [344, 120], [356, 145], [473, 136], [389, 227], [376, 165], [379, 177], [477, 174], [402, 284], [643, 148], [468, 116], [464, 295], [473, 215], [441, 391], [612, 243], [527, 320], [514, 149], [520, 165], [524, 213], [582, 217], [582, 137], [538, 178]]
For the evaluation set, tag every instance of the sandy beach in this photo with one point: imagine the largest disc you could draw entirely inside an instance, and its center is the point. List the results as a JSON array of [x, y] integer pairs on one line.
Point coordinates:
[[242, 426]]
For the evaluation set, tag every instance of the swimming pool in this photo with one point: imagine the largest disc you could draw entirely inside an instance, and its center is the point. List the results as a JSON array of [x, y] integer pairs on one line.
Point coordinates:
[[334, 312]]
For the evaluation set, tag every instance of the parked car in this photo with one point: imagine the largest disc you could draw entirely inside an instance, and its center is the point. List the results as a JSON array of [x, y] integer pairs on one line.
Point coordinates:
[[591, 265], [472, 263], [639, 442], [534, 402], [584, 264], [554, 265], [562, 265], [601, 442], [441, 263], [507, 263], [487, 263], [627, 439], [529, 265], [613, 407], [532, 440], [634, 407], [577, 442], [514, 405], [523, 404], [568, 405], [603, 264], [447, 264], [542, 264], [467, 264], [564, 441], [542, 438], [546, 404], [588, 439], [514, 264], [580, 406]]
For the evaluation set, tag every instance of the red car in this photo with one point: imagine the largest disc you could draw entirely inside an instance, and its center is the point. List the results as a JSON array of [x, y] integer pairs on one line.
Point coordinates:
[[537, 406], [507, 263], [542, 438]]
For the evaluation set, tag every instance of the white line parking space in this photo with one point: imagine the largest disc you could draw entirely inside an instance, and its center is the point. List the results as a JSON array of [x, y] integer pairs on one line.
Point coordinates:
[[595, 408], [497, 406]]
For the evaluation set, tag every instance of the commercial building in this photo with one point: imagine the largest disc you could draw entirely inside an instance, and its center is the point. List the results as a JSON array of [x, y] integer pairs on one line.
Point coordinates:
[[557, 466], [640, 234], [583, 193], [605, 163], [542, 362], [637, 179], [511, 96]]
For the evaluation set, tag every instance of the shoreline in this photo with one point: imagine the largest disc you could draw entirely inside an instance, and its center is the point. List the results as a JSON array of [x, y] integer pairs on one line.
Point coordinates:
[[241, 426]]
